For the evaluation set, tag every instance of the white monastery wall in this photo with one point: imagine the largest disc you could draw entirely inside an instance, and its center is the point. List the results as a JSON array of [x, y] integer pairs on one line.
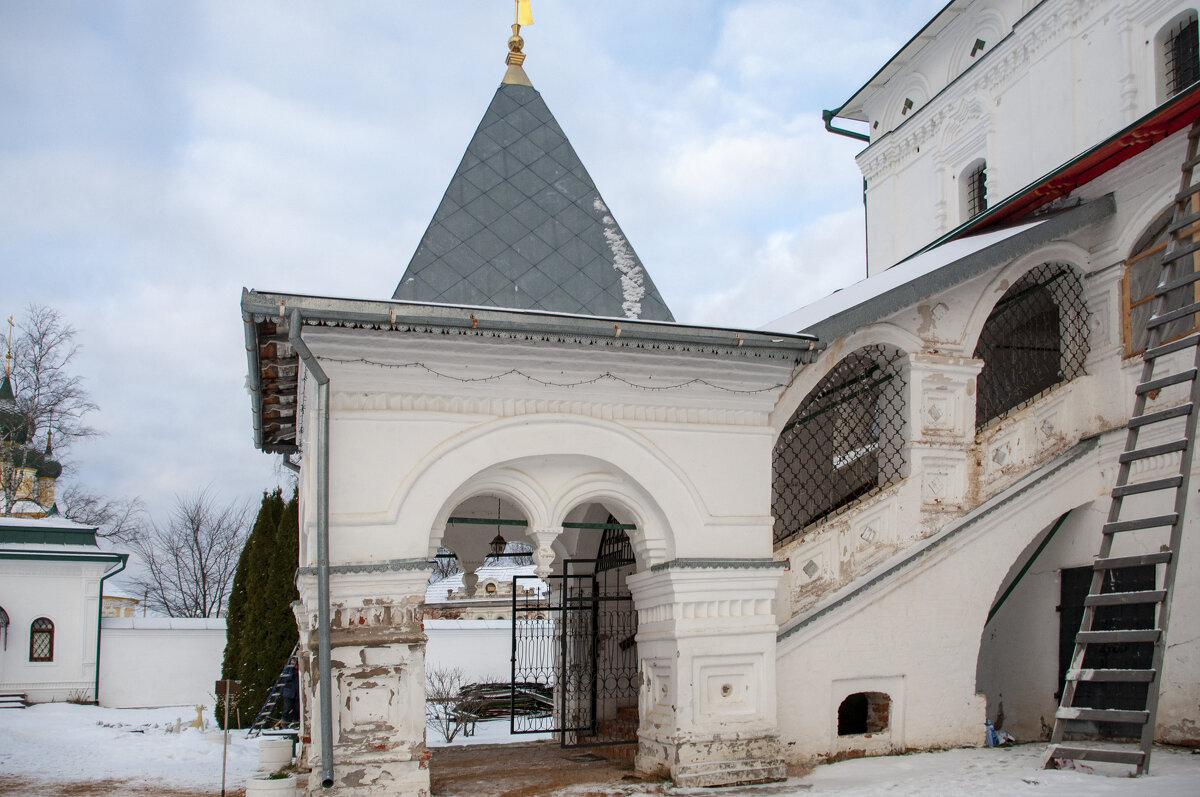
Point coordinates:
[[481, 648], [160, 661]]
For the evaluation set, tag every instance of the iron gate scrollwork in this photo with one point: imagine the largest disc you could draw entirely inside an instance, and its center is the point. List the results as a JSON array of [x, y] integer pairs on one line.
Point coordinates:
[[574, 655]]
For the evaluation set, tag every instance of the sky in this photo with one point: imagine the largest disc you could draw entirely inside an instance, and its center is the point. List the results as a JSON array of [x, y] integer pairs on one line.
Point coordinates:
[[156, 158]]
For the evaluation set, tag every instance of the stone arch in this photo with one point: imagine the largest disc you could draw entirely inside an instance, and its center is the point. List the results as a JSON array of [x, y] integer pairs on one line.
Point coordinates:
[[877, 334], [845, 440], [916, 90], [507, 456]]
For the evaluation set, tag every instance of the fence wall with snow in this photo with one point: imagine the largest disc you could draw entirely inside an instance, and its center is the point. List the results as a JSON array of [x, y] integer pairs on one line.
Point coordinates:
[[160, 661], [482, 648]]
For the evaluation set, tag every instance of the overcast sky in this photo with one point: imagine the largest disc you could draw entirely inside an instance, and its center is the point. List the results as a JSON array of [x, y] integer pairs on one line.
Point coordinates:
[[156, 157]]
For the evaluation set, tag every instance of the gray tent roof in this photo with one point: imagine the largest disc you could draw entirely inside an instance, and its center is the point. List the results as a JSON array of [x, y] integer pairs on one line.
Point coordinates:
[[522, 226]]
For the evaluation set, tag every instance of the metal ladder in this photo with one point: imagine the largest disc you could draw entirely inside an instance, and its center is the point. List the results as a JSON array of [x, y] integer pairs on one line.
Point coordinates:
[[263, 720], [1157, 375]]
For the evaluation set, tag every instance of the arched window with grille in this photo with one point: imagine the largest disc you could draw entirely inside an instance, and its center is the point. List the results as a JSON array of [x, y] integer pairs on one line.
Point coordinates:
[[1034, 339], [845, 440], [1143, 270], [41, 640]]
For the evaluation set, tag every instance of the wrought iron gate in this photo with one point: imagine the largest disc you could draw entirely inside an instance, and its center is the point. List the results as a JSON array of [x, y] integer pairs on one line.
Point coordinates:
[[574, 655]]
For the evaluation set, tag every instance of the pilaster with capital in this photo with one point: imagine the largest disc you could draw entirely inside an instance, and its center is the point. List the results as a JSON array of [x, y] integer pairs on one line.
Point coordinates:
[[706, 644]]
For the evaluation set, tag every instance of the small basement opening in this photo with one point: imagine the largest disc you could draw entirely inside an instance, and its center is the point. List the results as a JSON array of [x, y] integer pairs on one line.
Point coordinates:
[[864, 712]]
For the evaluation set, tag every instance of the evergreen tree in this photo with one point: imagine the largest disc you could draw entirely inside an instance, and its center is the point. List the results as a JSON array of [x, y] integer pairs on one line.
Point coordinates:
[[243, 649]]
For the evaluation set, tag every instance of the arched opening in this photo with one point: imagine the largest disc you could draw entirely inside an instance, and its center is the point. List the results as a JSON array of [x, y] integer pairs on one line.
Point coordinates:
[[1034, 338], [1143, 270], [864, 712], [578, 643], [844, 441]]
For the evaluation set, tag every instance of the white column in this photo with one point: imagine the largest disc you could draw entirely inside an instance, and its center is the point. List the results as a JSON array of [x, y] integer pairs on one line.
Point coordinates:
[[706, 644], [378, 678]]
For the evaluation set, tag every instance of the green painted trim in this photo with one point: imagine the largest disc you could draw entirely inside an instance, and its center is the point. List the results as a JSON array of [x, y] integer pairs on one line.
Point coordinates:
[[483, 521], [100, 621], [601, 526], [45, 556], [47, 536]]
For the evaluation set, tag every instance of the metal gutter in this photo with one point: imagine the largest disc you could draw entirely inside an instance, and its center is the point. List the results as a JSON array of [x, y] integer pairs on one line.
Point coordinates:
[[100, 616], [252, 376], [920, 550], [325, 703], [47, 556], [828, 116]]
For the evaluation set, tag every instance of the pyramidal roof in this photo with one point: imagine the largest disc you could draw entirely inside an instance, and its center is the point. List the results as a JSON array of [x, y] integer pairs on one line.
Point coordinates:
[[523, 226]]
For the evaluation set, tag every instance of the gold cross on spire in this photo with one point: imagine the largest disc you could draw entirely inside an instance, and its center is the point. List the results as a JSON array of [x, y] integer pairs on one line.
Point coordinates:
[[8, 354]]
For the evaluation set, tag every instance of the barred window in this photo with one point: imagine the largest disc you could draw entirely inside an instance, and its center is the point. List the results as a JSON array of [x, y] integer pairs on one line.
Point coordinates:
[[974, 187], [843, 442], [41, 640], [1179, 45], [1143, 270], [1034, 338]]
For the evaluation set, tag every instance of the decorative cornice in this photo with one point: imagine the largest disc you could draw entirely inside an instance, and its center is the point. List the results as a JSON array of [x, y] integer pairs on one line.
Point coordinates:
[[1016, 50], [720, 564], [389, 566], [511, 407]]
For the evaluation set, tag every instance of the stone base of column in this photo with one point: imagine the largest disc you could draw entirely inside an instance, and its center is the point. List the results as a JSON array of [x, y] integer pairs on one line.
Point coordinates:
[[403, 778], [719, 761]]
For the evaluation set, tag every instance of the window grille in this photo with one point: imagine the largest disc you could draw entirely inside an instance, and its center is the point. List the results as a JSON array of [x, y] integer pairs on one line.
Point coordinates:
[[1182, 53], [1142, 273], [977, 190], [1034, 338], [843, 442], [41, 640]]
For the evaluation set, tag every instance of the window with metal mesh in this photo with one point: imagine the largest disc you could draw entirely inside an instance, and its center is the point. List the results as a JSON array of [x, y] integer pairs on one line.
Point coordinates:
[[977, 190], [41, 640], [845, 440], [1034, 338], [1182, 53], [1143, 272]]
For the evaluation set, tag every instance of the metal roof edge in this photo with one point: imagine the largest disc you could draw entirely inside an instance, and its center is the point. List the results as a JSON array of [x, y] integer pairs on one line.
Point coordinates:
[[257, 306], [837, 114], [918, 551], [964, 268]]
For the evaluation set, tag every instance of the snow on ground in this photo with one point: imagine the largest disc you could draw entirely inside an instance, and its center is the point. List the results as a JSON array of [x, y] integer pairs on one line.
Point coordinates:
[[490, 732], [61, 742]]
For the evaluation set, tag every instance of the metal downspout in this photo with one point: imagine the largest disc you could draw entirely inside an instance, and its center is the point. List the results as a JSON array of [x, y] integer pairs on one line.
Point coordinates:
[[829, 116], [325, 703], [100, 617]]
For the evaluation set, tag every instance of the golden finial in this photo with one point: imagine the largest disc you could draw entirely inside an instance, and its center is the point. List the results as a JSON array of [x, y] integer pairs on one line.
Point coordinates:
[[8, 354], [522, 15]]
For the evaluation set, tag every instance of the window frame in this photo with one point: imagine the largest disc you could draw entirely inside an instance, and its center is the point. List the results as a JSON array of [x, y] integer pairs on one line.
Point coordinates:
[[1128, 302], [36, 632]]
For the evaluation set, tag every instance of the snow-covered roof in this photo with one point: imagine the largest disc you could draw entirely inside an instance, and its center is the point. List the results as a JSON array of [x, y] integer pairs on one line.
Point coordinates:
[[929, 272], [499, 571], [44, 523]]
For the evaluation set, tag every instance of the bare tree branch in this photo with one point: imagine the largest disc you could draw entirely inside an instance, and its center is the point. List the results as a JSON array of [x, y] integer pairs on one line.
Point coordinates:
[[51, 398], [190, 562], [120, 519]]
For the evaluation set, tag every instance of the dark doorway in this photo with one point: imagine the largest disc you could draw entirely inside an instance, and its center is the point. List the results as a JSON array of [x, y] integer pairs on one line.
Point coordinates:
[[1075, 584]]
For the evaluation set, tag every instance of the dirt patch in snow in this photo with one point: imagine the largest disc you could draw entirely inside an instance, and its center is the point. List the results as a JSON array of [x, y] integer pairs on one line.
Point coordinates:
[[532, 770], [18, 786]]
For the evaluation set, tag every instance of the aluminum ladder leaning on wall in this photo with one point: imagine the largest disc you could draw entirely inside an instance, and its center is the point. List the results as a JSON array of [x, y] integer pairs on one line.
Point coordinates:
[[1158, 374]]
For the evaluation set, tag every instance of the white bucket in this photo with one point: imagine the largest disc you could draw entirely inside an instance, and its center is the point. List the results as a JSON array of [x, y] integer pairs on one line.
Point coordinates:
[[276, 787], [274, 754]]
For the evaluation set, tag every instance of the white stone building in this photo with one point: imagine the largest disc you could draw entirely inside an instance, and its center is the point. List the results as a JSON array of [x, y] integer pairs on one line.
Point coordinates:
[[51, 577], [850, 532]]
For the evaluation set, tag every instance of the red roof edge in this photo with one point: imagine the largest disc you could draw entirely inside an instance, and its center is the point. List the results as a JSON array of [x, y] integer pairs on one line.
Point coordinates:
[[1178, 113]]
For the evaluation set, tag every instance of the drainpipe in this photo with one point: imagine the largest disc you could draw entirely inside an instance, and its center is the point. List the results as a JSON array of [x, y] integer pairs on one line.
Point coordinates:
[[100, 616], [829, 116], [326, 701], [287, 463]]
